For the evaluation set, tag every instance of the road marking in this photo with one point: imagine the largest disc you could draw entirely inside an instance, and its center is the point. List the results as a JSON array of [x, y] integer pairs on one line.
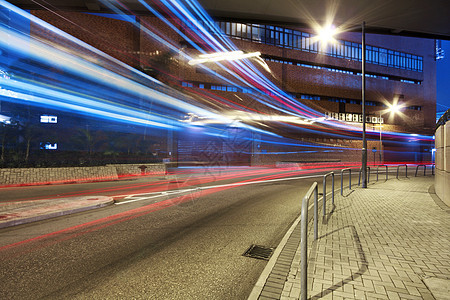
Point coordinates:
[[141, 197]]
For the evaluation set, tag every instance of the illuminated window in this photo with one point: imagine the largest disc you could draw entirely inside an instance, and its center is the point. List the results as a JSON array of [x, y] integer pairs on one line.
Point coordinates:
[[49, 146], [49, 119]]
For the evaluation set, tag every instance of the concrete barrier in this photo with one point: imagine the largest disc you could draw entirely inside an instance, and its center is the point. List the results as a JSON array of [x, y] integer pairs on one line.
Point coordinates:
[[442, 158]]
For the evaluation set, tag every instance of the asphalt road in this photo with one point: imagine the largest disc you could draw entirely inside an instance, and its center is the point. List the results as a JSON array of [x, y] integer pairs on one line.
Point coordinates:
[[171, 246]]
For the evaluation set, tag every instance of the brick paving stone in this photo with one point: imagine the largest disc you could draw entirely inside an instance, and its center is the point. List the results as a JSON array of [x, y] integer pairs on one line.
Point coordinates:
[[378, 243]]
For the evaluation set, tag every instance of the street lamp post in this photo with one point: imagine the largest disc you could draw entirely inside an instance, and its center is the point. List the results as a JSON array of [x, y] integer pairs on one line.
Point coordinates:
[[326, 33], [363, 108], [381, 145]]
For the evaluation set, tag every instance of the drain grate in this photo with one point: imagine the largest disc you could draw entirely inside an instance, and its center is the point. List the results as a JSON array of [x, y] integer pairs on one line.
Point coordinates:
[[259, 252]]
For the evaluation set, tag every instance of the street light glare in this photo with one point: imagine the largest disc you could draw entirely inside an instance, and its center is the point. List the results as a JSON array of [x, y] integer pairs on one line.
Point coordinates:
[[395, 108], [326, 33]]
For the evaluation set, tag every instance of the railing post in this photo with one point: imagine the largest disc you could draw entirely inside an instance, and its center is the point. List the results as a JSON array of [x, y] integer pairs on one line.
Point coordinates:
[[349, 179], [406, 170], [325, 191], [424, 170], [386, 171], [324, 194], [304, 241], [332, 192], [316, 213]]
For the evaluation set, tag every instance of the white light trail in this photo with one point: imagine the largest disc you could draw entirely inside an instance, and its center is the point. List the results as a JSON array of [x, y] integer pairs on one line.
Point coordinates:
[[220, 56]]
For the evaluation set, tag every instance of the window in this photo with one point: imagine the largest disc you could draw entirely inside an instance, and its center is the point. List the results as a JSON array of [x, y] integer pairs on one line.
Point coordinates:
[[402, 61], [419, 63], [238, 29], [49, 119], [390, 58], [256, 33], [397, 59], [49, 146], [383, 57]]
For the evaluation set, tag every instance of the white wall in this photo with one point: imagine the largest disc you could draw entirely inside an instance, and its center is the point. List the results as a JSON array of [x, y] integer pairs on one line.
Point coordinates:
[[442, 177]]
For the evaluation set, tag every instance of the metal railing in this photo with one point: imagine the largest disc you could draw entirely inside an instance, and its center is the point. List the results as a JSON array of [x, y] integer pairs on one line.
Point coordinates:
[[368, 175], [304, 238], [349, 179], [406, 170], [386, 171], [424, 170], [325, 191]]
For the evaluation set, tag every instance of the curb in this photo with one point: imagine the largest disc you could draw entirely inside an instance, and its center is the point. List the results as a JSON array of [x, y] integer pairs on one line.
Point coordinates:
[[262, 280], [259, 286]]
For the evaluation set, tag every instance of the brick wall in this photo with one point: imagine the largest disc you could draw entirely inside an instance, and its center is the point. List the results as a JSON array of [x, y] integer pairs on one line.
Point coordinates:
[[19, 176], [35, 176], [135, 169]]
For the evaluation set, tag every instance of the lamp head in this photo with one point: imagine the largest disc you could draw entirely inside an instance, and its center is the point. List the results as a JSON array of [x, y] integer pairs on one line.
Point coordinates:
[[326, 33]]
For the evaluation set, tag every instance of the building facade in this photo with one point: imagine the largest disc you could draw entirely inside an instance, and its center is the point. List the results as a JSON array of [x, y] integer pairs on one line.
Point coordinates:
[[325, 78]]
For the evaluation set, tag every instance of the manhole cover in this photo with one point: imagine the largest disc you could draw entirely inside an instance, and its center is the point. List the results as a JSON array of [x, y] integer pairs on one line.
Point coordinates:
[[259, 252]]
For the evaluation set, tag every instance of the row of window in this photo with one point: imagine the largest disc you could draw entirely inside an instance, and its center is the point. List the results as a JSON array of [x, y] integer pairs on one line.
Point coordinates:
[[339, 100], [304, 41], [224, 88], [302, 64], [350, 101], [246, 90]]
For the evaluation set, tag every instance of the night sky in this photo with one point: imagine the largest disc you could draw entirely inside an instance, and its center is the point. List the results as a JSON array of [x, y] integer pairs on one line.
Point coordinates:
[[443, 80]]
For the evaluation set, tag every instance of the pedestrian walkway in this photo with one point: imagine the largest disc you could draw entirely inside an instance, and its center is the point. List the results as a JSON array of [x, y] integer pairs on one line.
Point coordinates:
[[389, 241], [21, 212]]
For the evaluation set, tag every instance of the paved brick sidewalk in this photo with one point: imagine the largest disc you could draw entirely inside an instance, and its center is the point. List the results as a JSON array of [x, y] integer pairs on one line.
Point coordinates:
[[390, 241]]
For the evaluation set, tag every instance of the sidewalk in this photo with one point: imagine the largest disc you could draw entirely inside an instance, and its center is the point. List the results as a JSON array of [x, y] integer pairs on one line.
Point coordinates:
[[389, 241], [16, 213]]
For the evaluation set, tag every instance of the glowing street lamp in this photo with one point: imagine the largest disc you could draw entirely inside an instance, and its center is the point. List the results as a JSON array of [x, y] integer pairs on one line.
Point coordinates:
[[326, 34], [394, 108]]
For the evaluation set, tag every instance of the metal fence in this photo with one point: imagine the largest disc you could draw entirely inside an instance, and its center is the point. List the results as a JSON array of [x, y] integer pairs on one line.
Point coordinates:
[[406, 169], [349, 179], [304, 238]]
